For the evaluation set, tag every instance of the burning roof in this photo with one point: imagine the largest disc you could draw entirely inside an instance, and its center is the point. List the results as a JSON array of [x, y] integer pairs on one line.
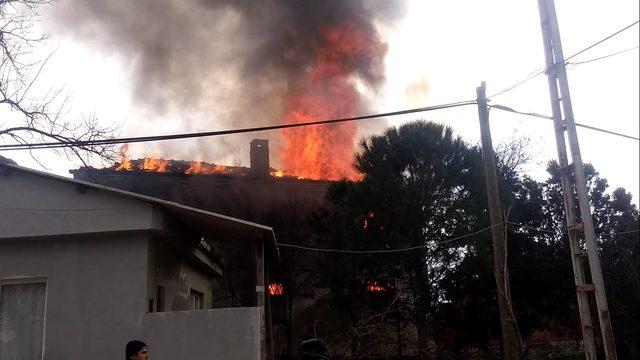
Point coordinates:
[[241, 62], [259, 161]]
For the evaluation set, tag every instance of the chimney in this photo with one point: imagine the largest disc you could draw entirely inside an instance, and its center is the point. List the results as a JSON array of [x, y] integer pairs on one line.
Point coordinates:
[[259, 155]]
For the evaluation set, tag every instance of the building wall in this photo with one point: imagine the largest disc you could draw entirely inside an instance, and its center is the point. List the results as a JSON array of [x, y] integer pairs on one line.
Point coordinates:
[[220, 334], [244, 197], [177, 274], [96, 290], [32, 205]]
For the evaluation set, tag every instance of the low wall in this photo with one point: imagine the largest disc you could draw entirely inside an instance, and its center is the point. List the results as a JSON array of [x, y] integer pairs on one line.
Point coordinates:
[[231, 333]]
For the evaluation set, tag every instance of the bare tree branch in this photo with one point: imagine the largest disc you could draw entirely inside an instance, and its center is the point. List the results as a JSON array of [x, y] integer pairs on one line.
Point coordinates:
[[36, 116]]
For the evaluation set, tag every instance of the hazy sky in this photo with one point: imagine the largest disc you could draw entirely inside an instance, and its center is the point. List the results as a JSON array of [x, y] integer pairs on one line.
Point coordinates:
[[439, 53]]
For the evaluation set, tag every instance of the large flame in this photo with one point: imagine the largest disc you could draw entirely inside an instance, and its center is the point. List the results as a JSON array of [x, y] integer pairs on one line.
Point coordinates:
[[125, 161], [325, 152], [156, 165]]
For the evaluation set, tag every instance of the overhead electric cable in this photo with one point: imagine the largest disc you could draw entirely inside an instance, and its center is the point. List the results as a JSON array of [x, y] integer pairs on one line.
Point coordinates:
[[509, 109], [520, 82], [601, 41], [386, 251], [602, 57], [603, 233], [540, 71], [62, 144]]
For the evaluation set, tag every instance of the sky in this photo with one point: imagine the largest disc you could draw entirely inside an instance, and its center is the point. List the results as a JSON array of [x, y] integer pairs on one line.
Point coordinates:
[[439, 52]]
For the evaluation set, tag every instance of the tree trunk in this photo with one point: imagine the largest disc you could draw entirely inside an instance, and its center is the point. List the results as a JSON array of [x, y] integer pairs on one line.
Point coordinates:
[[421, 309]]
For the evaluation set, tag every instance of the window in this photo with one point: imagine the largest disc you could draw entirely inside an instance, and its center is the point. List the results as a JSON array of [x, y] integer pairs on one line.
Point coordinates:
[[22, 313], [160, 299], [196, 299]]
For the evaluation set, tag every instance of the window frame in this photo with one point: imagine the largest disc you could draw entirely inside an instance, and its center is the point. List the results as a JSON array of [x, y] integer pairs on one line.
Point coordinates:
[[23, 280], [200, 298]]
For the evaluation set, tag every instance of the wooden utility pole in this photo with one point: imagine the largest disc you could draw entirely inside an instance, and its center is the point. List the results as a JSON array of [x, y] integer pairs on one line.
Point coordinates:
[[561, 104], [510, 338]]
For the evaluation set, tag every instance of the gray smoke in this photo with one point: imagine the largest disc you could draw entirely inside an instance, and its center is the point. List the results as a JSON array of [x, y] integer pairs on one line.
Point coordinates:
[[215, 64]]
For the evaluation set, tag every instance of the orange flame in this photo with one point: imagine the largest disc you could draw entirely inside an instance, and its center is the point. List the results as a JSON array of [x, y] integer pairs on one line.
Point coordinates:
[[375, 287], [150, 164], [220, 169], [276, 289], [277, 173], [125, 162], [198, 167], [155, 165], [325, 152]]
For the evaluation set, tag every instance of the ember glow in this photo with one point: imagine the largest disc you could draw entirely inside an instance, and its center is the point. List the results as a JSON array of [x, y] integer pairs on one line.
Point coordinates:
[[326, 152], [277, 173], [276, 289], [375, 286]]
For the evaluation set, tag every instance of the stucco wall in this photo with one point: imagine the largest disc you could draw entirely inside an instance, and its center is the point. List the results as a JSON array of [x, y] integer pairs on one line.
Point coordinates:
[[220, 334], [95, 291], [32, 205]]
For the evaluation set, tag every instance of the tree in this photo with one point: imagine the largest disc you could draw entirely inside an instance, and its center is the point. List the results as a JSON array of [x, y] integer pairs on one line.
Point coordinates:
[[540, 269], [421, 186], [418, 190], [37, 118]]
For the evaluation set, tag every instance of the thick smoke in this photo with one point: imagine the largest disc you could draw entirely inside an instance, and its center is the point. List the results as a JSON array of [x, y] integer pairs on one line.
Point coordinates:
[[215, 64]]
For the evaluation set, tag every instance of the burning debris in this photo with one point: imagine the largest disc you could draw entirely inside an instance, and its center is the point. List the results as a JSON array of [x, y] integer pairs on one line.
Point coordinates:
[[259, 157], [185, 167]]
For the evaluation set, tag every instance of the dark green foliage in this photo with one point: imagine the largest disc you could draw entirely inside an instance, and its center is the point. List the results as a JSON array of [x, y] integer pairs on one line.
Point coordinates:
[[421, 187]]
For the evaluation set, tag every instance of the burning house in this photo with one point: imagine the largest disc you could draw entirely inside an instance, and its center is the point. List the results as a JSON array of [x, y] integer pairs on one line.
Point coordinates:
[[257, 193], [289, 61], [85, 268], [250, 193]]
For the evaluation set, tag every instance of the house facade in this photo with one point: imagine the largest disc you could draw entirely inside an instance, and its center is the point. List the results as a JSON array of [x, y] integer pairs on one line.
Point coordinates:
[[85, 268]]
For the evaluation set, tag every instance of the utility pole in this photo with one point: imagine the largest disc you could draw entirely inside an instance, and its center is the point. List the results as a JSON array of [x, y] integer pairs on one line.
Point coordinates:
[[510, 338], [561, 104]]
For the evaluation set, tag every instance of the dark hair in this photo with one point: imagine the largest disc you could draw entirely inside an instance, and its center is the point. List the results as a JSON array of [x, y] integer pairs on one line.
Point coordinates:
[[133, 348]]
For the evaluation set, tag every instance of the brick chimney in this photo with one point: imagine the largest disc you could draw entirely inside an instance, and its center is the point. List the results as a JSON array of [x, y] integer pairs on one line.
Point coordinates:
[[259, 155]]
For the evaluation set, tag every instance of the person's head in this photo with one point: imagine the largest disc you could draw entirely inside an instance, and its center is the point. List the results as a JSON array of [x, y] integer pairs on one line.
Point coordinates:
[[137, 350]]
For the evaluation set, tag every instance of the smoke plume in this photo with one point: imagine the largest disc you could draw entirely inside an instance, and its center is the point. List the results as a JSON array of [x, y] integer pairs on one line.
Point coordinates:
[[215, 64]]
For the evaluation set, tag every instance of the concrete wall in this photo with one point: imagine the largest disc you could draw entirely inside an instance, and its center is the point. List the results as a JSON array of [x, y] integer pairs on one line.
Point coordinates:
[[176, 273], [219, 334], [96, 290], [102, 267], [32, 205]]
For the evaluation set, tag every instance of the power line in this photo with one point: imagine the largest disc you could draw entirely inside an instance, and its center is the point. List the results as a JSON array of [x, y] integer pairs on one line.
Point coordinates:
[[388, 251], [604, 233], [601, 41], [621, 233], [602, 57], [540, 71], [520, 82], [509, 109], [62, 144]]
